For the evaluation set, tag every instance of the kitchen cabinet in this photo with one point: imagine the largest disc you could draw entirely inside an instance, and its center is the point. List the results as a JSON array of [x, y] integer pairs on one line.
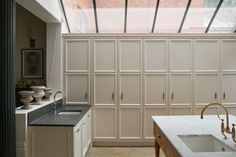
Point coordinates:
[[77, 88], [130, 116], [138, 77], [61, 141], [105, 89], [228, 85], [228, 55], [105, 123], [155, 53], [77, 56], [130, 52], [206, 89], [130, 89], [180, 49], [155, 89], [105, 55], [86, 132], [206, 55], [180, 89], [77, 141]]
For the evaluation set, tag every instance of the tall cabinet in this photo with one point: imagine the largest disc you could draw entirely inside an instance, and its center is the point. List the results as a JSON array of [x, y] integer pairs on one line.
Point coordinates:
[[128, 80]]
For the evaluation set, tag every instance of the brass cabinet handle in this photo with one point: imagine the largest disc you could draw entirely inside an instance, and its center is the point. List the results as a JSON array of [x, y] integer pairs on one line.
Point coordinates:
[[112, 96], [215, 95], [86, 95], [163, 96], [224, 95], [121, 96], [172, 96]]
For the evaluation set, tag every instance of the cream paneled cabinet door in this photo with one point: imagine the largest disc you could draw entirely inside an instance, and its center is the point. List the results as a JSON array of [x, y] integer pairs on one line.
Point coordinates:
[[228, 77], [77, 88], [105, 108], [77, 55], [206, 64], [130, 89], [105, 105]]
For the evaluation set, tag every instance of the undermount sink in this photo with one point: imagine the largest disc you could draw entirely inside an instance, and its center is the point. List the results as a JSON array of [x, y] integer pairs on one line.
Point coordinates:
[[69, 112], [205, 143]]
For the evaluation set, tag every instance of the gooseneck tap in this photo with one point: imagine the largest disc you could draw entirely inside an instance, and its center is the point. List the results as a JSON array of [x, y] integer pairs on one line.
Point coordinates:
[[64, 100], [223, 128], [227, 129]]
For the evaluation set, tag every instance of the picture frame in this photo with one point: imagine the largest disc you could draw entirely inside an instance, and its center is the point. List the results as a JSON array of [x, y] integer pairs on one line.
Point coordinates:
[[32, 61]]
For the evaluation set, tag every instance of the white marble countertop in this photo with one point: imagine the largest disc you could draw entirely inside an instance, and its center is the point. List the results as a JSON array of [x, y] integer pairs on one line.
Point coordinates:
[[172, 126], [35, 107]]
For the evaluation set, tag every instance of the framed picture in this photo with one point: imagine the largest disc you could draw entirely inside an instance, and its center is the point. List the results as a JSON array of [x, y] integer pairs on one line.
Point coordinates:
[[32, 63]]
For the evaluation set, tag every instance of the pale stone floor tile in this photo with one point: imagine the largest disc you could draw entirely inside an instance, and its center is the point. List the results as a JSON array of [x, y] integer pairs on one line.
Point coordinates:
[[122, 152]]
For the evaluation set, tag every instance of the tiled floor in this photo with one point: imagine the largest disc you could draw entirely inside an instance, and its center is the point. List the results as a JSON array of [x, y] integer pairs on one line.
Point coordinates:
[[122, 152]]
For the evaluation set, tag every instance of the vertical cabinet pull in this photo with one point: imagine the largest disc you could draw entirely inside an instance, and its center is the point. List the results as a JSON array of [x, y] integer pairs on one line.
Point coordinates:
[[86, 95], [215, 95], [163, 96], [172, 96], [121, 96], [224, 95], [112, 96], [78, 130]]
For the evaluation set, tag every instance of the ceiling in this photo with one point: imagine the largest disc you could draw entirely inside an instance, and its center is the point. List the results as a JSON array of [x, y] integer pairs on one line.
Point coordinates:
[[150, 16]]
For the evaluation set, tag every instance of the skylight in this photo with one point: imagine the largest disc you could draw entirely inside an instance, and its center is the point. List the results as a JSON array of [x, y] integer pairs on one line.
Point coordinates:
[[150, 16]]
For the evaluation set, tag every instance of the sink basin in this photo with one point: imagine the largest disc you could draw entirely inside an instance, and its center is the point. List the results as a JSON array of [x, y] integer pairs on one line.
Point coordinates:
[[69, 112], [204, 143]]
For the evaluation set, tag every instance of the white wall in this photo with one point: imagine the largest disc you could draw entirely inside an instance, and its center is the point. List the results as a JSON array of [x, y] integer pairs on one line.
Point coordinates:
[[54, 56], [49, 11], [28, 25]]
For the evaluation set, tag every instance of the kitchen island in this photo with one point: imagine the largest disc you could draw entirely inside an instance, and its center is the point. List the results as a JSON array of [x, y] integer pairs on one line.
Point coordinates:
[[171, 133]]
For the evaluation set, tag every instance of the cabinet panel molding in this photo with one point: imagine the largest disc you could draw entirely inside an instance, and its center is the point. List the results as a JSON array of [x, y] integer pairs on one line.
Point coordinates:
[[105, 52], [77, 55], [155, 55], [105, 89], [130, 55], [105, 123], [180, 52], [130, 117], [77, 87]]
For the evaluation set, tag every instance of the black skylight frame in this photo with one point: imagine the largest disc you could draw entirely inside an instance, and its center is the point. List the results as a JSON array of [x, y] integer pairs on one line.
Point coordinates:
[[154, 19], [64, 13]]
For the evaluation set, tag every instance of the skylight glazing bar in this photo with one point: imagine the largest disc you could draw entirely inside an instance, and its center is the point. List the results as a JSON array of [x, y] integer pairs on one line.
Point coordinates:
[[125, 23], [214, 15], [95, 15], [155, 16], [64, 13], [184, 17]]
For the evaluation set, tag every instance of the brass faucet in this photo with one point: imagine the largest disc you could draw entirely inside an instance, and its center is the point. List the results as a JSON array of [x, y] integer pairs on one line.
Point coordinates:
[[223, 128]]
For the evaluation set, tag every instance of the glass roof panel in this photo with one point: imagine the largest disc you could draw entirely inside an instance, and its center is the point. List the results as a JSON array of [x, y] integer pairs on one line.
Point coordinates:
[[110, 16], [170, 15], [199, 15], [225, 19], [80, 15], [140, 15]]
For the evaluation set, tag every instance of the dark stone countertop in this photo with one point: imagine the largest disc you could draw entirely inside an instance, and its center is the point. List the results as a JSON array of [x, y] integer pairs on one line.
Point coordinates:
[[51, 119]]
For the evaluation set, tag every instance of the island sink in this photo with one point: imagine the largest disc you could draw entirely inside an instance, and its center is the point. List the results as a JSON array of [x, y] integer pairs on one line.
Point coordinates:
[[204, 143]]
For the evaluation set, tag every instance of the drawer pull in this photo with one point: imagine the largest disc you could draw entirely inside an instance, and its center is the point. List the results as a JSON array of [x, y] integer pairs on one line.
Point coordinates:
[[121, 96], [215, 95], [86, 95], [172, 96], [112, 96], [224, 95], [78, 130], [163, 96]]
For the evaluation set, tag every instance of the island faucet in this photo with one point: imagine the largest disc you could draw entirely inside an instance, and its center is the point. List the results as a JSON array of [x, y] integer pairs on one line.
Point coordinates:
[[55, 104], [223, 128]]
